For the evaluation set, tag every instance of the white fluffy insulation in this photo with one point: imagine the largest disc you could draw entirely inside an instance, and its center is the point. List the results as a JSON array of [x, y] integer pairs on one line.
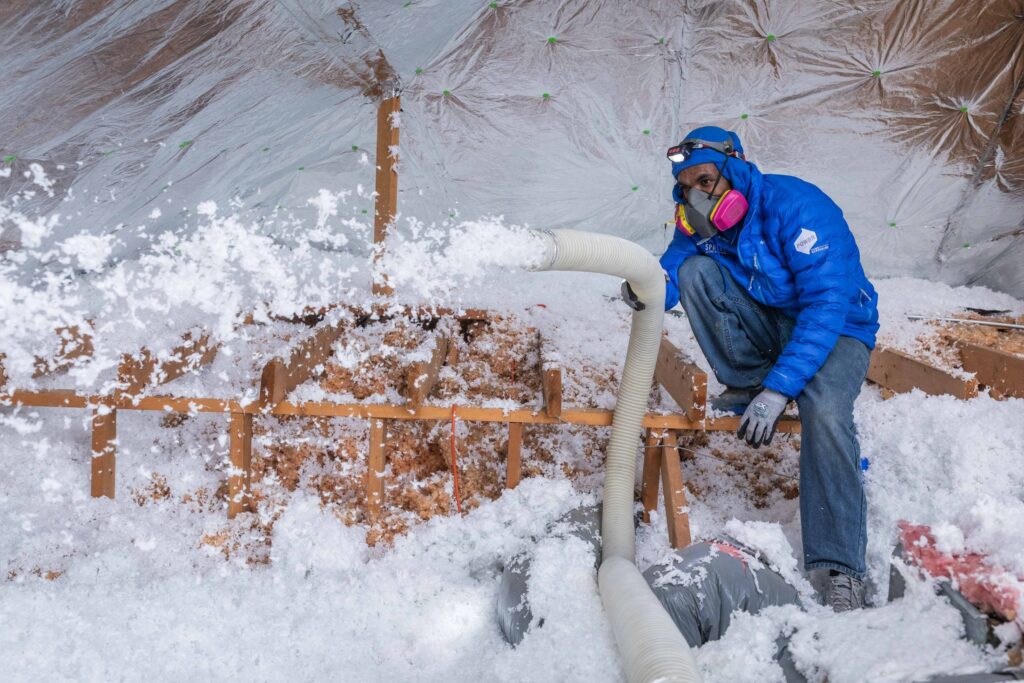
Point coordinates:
[[98, 589]]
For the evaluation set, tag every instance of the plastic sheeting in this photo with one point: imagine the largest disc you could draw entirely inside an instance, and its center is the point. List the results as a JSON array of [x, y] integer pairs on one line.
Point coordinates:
[[554, 114]]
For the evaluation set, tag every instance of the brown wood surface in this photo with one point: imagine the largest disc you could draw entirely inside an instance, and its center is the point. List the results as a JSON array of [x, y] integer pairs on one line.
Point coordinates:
[[74, 343], [375, 469], [899, 372], [513, 462], [552, 381], [240, 479], [595, 417], [676, 507], [421, 377], [1001, 372], [651, 474], [3, 374], [281, 375], [386, 204], [143, 369], [104, 451], [686, 383]]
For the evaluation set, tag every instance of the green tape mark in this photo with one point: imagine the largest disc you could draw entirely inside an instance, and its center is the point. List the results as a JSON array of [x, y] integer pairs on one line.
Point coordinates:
[[963, 110], [364, 210], [552, 40], [876, 73], [418, 71], [355, 148], [266, 149], [493, 5], [647, 131], [635, 188], [546, 96], [446, 93], [661, 41], [184, 143], [9, 159], [967, 245], [744, 116], [892, 224], [770, 37], [302, 168]]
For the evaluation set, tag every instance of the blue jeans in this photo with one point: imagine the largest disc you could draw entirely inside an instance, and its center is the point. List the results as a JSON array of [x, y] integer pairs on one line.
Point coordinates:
[[742, 338]]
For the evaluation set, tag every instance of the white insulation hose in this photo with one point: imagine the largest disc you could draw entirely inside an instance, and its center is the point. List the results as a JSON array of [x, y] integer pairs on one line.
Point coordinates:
[[651, 646]]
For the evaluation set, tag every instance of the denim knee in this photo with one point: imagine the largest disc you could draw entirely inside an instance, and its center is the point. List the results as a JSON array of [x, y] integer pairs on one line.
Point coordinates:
[[700, 273]]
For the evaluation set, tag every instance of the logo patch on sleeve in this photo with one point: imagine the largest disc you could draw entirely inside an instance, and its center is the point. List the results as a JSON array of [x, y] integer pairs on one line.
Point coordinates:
[[805, 240]]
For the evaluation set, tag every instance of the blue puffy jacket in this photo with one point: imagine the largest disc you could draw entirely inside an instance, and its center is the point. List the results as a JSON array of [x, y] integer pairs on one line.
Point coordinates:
[[794, 252]]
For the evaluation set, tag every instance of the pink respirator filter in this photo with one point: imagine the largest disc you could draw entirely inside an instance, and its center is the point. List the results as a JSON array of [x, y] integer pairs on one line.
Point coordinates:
[[731, 209]]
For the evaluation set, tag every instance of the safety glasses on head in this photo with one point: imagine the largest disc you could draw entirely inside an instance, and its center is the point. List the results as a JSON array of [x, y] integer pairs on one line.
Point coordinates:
[[681, 152]]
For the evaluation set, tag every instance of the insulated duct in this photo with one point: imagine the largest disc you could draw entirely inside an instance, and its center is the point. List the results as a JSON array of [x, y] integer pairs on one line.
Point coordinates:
[[651, 646]]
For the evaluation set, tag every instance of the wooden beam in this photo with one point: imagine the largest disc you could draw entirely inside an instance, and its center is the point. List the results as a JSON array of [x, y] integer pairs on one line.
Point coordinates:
[[676, 508], [143, 369], [240, 479], [652, 473], [595, 417], [899, 372], [420, 377], [686, 383], [550, 377], [375, 469], [513, 461], [74, 343], [3, 374], [386, 204], [281, 375], [104, 452], [1001, 372]]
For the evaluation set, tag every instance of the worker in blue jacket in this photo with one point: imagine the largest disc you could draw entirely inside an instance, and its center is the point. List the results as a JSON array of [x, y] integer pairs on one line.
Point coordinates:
[[770, 277]]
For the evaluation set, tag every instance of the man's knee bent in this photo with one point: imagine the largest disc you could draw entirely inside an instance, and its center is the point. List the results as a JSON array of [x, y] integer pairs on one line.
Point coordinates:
[[699, 273]]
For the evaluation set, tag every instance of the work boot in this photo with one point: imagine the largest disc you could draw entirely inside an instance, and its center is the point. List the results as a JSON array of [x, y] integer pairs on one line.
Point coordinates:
[[845, 592], [733, 400]]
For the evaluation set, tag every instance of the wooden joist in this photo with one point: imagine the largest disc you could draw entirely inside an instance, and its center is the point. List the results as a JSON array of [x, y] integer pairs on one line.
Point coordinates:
[[513, 459], [595, 417], [420, 377], [686, 383], [3, 374], [661, 462], [1001, 372], [104, 453], [74, 343], [375, 469], [281, 375], [386, 204], [899, 372], [143, 369], [551, 379], [240, 478]]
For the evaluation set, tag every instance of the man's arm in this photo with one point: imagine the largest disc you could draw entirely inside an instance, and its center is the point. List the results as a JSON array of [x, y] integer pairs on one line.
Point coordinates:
[[821, 255], [679, 249]]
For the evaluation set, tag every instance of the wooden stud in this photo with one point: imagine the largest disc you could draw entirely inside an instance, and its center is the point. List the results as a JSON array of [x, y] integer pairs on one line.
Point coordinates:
[[676, 508], [686, 383], [281, 375], [513, 461], [901, 373], [143, 369], [551, 379], [1001, 372], [386, 204], [3, 374], [594, 417], [104, 451], [74, 343], [375, 469], [240, 479], [421, 377], [652, 473]]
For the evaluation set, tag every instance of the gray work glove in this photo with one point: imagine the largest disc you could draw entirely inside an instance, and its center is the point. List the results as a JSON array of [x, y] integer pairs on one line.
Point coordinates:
[[758, 423], [630, 297]]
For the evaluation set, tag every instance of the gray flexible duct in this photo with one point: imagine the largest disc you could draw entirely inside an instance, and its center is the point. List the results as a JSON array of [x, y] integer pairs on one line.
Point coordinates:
[[651, 646]]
